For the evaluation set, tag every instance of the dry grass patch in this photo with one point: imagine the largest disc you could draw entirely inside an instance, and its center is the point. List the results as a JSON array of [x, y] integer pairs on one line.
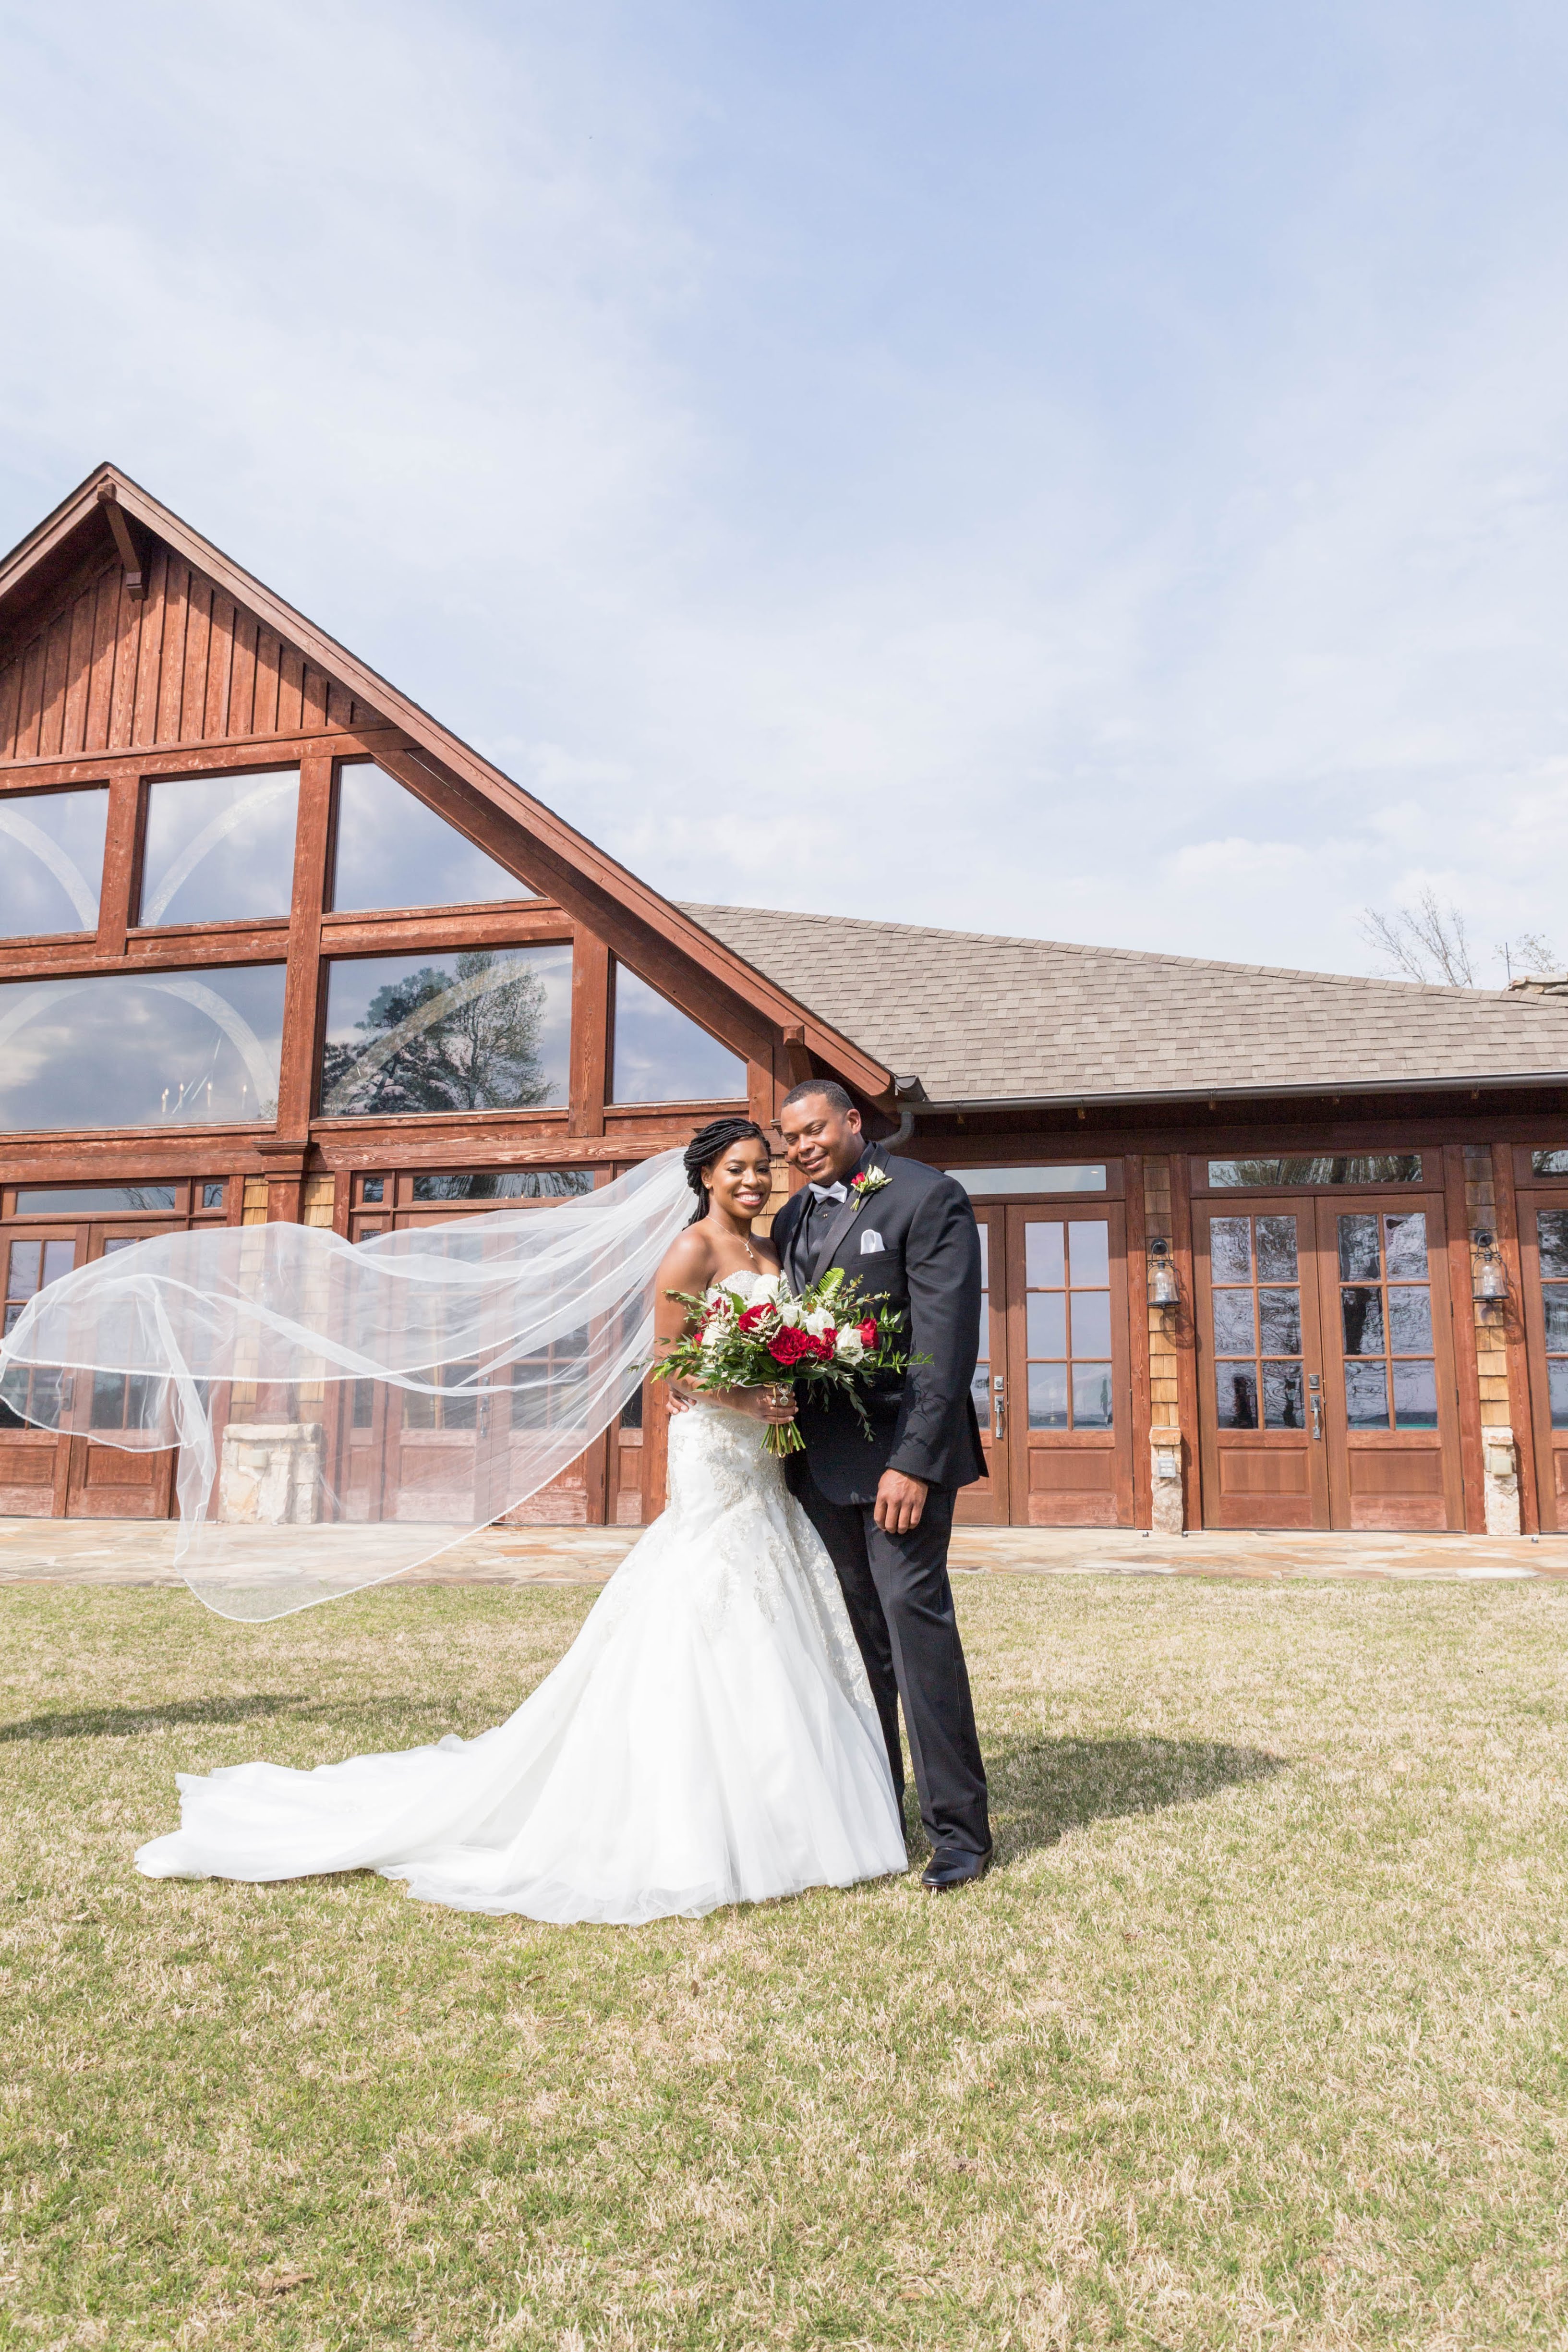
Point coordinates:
[[1255, 2037]]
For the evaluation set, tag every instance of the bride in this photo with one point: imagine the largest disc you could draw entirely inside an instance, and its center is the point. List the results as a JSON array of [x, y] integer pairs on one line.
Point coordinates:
[[709, 1737]]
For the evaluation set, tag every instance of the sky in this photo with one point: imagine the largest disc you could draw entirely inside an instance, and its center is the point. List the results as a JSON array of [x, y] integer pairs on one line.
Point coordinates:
[[1083, 469]]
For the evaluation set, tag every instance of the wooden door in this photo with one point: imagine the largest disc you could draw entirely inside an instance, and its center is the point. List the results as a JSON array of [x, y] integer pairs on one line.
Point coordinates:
[[1069, 1394], [986, 1504], [105, 1480], [34, 1464], [409, 1455], [46, 1476], [1262, 1404], [1543, 1260], [1393, 1399], [1327, 1395]]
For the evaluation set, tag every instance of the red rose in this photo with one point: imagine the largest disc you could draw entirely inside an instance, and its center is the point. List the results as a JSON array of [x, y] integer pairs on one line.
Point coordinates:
[[754, 1317], [790, 1346], [868, 1332], [820, 1344]]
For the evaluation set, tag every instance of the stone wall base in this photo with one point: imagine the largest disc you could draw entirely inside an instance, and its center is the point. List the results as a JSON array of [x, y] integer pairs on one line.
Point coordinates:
[[1500, 1462], [1169, 1518], [269, 1474]]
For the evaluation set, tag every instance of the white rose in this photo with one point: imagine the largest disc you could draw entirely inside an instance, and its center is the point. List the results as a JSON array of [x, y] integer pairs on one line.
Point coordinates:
[[849, 1347], [716, 1333], [819, 1321], [767, 1287], [789, 1312]]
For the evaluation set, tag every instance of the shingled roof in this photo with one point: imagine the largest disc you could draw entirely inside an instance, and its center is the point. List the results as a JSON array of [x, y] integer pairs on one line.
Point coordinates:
[[982, 1018]]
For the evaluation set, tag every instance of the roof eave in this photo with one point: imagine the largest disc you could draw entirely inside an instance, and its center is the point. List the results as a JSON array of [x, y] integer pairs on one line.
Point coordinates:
[[1310, 1089]]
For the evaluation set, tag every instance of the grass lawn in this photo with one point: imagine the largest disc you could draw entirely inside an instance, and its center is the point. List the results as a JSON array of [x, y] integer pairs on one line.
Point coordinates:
[[1257, 2036]]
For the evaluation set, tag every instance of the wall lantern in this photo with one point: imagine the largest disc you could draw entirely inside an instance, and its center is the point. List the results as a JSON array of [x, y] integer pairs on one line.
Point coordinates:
[[1490, 1271], [1164, 1290]]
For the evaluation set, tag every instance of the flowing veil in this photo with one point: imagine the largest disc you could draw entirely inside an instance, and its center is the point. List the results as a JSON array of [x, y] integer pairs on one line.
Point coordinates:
[[344, 1411]]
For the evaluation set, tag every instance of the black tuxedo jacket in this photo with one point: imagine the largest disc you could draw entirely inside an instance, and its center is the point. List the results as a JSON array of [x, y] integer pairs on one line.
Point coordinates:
[[912, 1245]]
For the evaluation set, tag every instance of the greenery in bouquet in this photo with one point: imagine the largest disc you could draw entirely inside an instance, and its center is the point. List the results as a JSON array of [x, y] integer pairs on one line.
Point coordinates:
[[824, 1337]]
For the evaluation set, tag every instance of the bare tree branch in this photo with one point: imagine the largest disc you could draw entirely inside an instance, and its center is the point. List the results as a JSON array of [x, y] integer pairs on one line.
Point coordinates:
[[1529, 953], [1426, 942]]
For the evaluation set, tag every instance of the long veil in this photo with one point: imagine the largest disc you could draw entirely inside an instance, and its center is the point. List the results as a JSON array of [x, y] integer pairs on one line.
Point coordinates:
[[344, 1411]]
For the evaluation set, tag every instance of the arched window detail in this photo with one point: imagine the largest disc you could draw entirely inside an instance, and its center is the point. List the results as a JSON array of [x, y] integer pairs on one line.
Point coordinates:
[[51, 860], [219, 848]]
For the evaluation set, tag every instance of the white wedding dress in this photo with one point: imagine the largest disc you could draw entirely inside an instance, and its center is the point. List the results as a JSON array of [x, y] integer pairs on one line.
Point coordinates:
[[709, 1737]]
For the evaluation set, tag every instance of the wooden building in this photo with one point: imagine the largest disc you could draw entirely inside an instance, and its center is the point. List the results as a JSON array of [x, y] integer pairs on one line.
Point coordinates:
[[1264, 1248]]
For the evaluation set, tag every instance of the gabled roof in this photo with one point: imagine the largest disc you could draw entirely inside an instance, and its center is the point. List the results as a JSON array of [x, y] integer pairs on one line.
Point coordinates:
[[67, 548], [979, 1018]]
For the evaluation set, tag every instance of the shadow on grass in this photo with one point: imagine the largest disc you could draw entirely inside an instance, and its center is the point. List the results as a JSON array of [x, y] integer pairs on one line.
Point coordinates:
[[131, 1722], [1040, 1789], [128, 1722]]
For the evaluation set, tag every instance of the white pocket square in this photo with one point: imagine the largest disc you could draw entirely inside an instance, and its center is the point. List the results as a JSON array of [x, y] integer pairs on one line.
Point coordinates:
[[870, 1242]]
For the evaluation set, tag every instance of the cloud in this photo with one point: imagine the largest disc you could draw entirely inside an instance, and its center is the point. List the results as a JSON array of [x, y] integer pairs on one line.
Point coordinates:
[[1099, 477]]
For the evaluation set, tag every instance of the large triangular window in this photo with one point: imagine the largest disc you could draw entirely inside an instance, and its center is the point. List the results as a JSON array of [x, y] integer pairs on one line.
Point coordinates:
[[392, 851], [661, 1057]]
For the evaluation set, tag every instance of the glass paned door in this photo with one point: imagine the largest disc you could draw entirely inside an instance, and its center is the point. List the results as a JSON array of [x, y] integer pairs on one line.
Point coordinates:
[[1543, 1252], [1393, 1406], [1068, 1383], [32, 1460], [1326, 1382], [986, 1504], [1262, 1404], [107, 1480], [415, 1455]]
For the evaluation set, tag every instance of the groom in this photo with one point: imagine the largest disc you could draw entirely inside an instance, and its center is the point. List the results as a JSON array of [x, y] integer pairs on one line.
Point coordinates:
[[883, 1505]]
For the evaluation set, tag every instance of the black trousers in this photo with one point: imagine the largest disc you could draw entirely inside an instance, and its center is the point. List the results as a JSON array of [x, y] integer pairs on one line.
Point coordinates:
[[901, 1605]]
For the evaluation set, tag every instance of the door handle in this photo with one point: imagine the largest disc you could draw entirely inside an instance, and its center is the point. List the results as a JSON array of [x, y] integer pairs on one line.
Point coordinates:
[[1001, 1406], [1317, 1417]]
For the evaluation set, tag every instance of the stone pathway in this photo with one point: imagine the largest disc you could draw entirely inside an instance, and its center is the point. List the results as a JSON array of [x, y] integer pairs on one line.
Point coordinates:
[[109, 1552]]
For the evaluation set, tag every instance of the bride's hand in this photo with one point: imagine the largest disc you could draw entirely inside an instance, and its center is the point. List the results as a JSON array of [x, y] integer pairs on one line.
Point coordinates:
[[773, 1404]]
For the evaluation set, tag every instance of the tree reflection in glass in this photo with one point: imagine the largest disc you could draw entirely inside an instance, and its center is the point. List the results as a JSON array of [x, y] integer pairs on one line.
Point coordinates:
[[487, 1030]]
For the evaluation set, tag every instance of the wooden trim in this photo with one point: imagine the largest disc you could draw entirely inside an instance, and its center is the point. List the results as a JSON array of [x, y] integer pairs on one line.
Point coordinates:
[[523, 922], [217, 758], [1467, 1371], [302, 988], [592, 1019], [1138, 1337], [150, 951], [121, 861]]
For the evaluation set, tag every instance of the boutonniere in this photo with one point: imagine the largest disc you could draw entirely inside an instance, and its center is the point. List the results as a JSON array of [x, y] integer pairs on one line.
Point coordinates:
[[869, 1181]]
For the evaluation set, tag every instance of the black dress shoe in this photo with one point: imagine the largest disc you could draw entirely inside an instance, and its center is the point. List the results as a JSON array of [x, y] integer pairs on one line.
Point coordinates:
[[956, 1869]]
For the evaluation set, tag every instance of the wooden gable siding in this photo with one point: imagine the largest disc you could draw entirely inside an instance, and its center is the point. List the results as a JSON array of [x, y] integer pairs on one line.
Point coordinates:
[[184, 664]]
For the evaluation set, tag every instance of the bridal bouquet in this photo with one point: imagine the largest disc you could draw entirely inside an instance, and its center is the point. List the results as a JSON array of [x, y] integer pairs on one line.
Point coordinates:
[[825, 1338]]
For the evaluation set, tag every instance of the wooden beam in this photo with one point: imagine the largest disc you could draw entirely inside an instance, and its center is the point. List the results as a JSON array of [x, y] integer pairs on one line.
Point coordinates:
[[302, 988], [121, 852], [590, 1033], [135, 578], [797, 1059]]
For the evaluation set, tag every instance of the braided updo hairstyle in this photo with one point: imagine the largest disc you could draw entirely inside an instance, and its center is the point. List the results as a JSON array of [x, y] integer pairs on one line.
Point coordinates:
[[705, 1147]]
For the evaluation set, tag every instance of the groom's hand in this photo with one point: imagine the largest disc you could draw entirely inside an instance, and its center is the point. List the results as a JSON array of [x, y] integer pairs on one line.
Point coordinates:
[[899, 1500]]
